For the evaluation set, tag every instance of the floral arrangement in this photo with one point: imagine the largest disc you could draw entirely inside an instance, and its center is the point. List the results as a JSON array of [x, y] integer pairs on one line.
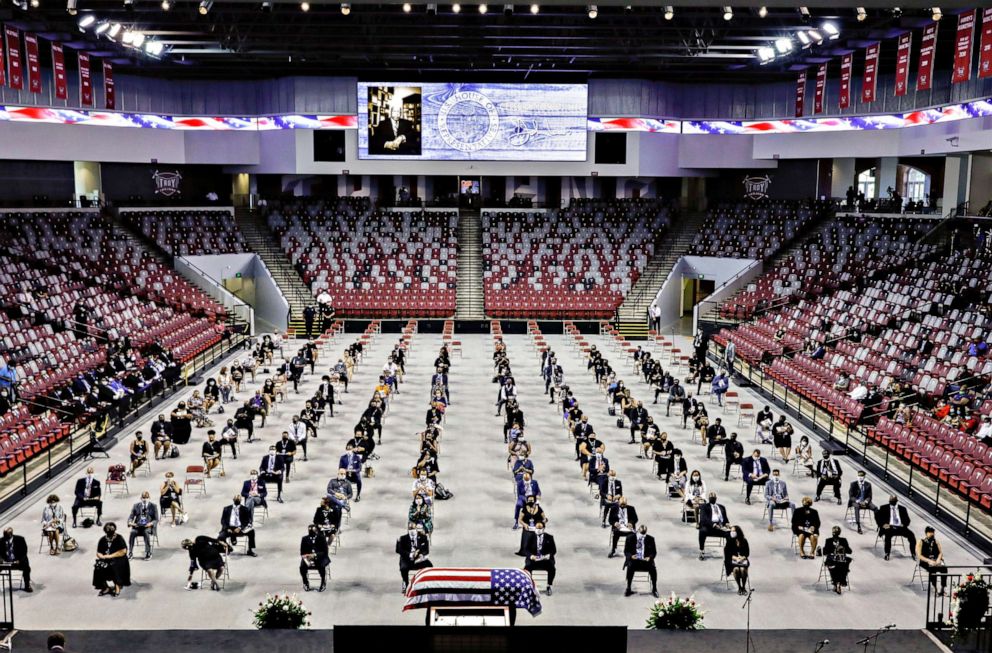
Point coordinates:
[[676, 613], [969, 603], [281, 612]]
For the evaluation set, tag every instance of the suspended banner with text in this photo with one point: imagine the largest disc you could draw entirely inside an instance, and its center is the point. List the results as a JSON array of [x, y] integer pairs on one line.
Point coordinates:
[[846, 64], [870, 80], [16, 76], [820, 88], [109, 96], [985, 45], [963, 47], [902, 63], [58, 66], [928, 45], [801, 94], [34, 63], [85, 80]]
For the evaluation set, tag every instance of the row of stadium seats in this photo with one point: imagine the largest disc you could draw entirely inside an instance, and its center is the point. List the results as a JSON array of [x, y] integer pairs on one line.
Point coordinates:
[[755, 230], [192, 232]]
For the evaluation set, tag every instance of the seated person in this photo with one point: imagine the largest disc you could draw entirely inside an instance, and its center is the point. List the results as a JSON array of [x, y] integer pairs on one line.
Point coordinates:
[[713, 522], [694, 496], [640, 552], [161, 437], [87, 494], [623, 520], [313, 555], [837, 558], [327, 518], [253, 491], [339, 490], [138, 451], [235, 522], [539, 554], [893, 521], [207, 554], [170, 499], [931, 558], [776, 497], [211, 453], [420, 513], [736, 560], [756, 471], [806, 527]]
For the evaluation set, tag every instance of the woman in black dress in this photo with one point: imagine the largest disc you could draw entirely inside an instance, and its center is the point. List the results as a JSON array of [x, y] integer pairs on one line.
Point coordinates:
[[735, 558], [782, 437], [531, 515], [207, 554], [182, 424], [663, 452], [837, 559], [112, 570]]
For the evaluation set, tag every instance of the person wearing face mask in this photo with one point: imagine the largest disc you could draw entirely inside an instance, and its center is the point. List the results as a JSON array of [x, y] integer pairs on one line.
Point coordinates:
[[893, 521], [286, 449], [736, 562], [713, 522], [351, 462], [539, 554], [931, 557], [111, 571], [339, 490], [837, 558], [229, 437], [756, 471], [14, 553], [313, 555], [87, 495], [236, 521], [527, 488], [138, 451], [828, 472], [610, 491], [530, 516], [327, 517], [420, 514], [623, 520], [423, 486], [254, 491], [270, 470], [523, 464], [639, 552], [170, 499], [662, 450], [142, 521], [680, 474], [776, 498], [161, 437], [806, 527], [413, 549], [694, 495], [859, 498], [207, 554], [211, 452], [298, 433]]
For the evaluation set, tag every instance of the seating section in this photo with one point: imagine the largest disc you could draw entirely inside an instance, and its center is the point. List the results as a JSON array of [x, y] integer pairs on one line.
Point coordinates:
[[372, 263], [755, 230], [577, 263], [192, 232]]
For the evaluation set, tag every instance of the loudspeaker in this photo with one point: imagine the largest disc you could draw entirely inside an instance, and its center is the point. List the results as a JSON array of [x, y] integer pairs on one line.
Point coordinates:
[[611, 148], [328, 145]]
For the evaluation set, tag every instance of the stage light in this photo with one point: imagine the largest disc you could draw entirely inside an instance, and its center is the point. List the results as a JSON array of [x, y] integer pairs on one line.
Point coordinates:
[[35, 4], [266, 7], [804, 14], [456, 8], [507, 10], [88, 20], [815, 35], [304, 6], [114, 30], [669, 12], [535, 9], [766, 54], [345, 8], [154, 48], [137, 39], [862, 14], [803, 37], [166, 5], [70, 7], [593, 11], [628, 9], [831, 30], [783, 45], [762, 12], [205, 6], [728, 13], [432, 9], [897, 12], [127, 37], [937, 13], [483, 9], [101, 28]]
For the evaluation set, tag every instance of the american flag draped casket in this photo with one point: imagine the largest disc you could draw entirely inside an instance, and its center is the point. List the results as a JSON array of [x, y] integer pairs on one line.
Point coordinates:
[[438, 586]]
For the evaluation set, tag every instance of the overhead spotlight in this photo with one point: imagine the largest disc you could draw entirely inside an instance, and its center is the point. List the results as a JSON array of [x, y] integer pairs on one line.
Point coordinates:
[[205, 6], [535, 9], [88, 20], [127, 38], [35, 4], [304, 6], [101, 28], [137, 39], [166, 5], [783, 45], [507, 10], [129, 4], [266, 7], [407, 8], [815, 35], [154, 48], [831, 30], [762, 12], [937, 13], [70, 7], [803, 38], [593, 11], [483, 9], [628, 9], [345, 8], [862, 14], [766, 54], [804, 13], [115, 29], [897, 12], [669, 12], [432, 9], [456, 8], [728, 13]]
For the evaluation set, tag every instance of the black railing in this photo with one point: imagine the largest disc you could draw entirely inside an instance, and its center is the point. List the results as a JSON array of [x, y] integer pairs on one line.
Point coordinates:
[[6, 599]]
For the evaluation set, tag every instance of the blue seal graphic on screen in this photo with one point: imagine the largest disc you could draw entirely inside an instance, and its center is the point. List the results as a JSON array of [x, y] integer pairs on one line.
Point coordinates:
[[468, 121]]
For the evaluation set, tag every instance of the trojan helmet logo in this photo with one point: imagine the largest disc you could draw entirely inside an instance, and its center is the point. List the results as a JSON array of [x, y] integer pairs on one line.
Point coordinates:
[[167, 183], [756, 188]]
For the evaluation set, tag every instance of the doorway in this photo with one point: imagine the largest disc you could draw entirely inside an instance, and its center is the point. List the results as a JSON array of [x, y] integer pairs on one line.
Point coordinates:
[[695, 291]]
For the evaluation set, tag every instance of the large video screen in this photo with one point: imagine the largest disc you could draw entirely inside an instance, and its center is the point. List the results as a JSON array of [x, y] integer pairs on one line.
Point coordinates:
[[491, 122]]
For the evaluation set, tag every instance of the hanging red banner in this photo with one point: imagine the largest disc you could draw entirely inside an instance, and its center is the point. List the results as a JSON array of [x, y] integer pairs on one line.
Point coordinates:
[[110, 100], [801, 94], [870, 79], [902, 63], [85, 80], [846, 63], [3, 68], [963, 47], [820, 88], [58, 68], [16, 76], [34, 65], [924, 75], [985, 45]]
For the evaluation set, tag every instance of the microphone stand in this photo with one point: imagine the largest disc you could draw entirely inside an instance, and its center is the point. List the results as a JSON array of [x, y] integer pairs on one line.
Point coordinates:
[[872, 640], [749, 644]]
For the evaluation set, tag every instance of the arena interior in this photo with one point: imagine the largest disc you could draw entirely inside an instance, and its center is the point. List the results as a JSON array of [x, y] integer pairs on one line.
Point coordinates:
[[591, 305]]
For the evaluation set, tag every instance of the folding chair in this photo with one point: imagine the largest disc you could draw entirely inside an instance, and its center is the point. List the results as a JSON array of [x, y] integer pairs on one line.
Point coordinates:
[[824, 577], [116, 480], [222, 577], [195, 480]]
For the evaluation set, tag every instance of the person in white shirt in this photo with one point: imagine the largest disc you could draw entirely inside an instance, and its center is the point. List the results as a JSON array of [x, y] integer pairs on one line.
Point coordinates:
[[298, 433], [859, 392], [985, 430]]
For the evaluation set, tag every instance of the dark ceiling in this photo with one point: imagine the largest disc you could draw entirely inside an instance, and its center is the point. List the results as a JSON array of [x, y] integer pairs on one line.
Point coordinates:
[[244, 40]]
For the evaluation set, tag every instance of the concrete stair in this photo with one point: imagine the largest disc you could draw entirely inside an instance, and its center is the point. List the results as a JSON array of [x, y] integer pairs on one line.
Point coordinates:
[[675, 245], [470, 301], [262, 242]]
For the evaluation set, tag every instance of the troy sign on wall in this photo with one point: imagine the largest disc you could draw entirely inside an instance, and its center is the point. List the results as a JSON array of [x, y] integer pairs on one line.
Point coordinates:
[[168, 183]]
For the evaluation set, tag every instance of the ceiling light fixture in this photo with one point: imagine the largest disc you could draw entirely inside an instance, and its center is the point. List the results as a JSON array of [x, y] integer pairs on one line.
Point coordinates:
[[762, 12], [483, 9], [345, 8], [86, 21], [593, 11], [535, 9], [783, 45], [432, 9], [815, 35], [154, 48], [766, 54], [127, 38], [803, 38], [862, 14], [70, 7], [304, 6], [407, 8], [205, 6], [35, 4], [937, 13], [804, 13], [137, 39], [669, 12], [507, 10], [266, 7], [831, 30], [456, 8], [166, 5], [114, 30], [101, 28], [129, 4], [728, 13]]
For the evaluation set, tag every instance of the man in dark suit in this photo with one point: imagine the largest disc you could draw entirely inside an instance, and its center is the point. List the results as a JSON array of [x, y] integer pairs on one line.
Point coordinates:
[[270, 470], [351, 462], [828, 472], [14, 553], [87, 494], [235, 521], [539, 552], [413, 549], [713, 522], [756, 471], [623, 520], [639, 553], [142, 520], [716, 435], [610, 491], [733, 453], [893, 521], [859, 498], [324, 397], [395, 135], [313, 555], [253, 491], [308, 314]]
